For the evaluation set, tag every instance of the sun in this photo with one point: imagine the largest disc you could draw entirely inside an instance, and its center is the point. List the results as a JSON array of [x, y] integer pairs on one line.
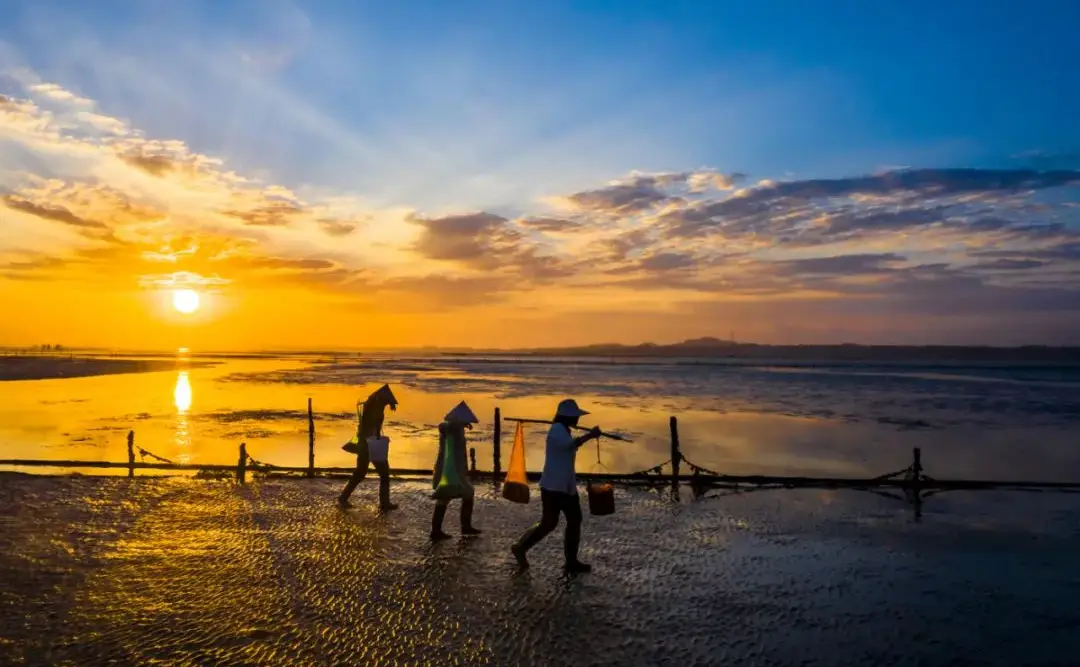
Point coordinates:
[[185, 300]]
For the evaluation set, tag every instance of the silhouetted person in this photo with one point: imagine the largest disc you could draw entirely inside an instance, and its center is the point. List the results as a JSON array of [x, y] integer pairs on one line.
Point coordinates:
[[453, 427], [558, 488], [371, 422]]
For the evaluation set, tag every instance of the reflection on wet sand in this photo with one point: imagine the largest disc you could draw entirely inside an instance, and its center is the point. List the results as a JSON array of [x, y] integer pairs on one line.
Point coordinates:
[[182, 397]]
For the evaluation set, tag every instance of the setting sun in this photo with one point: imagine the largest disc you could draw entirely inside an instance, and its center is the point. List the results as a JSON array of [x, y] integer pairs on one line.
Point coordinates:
[[185, 300]]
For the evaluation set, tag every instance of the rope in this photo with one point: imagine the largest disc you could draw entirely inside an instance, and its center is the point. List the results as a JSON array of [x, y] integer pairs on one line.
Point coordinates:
[[143, 454], [696, 469], [259, 465]]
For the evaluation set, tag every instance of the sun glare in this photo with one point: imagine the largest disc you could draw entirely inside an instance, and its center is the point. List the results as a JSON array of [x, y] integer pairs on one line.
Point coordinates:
[[185, 300]]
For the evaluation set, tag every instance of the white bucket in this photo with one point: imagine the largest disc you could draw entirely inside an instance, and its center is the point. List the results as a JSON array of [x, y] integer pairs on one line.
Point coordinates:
[[378, 449]]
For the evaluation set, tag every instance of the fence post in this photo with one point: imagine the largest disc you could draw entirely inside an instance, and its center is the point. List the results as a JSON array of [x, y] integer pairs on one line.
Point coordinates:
[[472, 460], [311, 440], [916, 464], [497, 448], [241, 466], [131, 453], [676, 458]]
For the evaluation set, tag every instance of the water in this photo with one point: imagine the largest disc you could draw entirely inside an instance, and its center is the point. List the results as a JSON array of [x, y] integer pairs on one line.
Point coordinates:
[[186, 571], [854, 419]]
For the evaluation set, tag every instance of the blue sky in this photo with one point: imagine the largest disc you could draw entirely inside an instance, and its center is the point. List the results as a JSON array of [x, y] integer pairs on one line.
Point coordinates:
[[809, 171], [771, 89]]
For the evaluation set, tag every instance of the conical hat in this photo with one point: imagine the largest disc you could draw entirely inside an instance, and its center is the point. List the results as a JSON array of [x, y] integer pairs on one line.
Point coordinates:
[[462, 414], [385, 396]]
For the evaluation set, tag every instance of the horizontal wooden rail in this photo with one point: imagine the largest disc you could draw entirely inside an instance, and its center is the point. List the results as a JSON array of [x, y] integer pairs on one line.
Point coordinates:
[[729, 481]]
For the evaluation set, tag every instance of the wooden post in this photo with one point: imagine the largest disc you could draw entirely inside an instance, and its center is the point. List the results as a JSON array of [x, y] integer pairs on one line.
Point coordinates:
[[497, 448], [131, 453], [241, 466], [676, 458], [311, 440], [472, 459], [916, 464]]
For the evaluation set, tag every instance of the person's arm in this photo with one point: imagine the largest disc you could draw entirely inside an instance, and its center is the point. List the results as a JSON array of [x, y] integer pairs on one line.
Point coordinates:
[[592, 434]]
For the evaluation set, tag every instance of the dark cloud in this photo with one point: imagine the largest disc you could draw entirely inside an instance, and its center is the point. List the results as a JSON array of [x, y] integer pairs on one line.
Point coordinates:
[[283, 263], [270, 214], [667, 261], [625, 243], [1006, 264], [50, 212], [556, 225], [842, 265], [155, 165], [487, 242], [636, 195], [848, 204], [337, 227]]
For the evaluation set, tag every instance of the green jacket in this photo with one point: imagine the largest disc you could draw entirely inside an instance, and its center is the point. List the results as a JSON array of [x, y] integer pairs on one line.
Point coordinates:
[[457, 433]]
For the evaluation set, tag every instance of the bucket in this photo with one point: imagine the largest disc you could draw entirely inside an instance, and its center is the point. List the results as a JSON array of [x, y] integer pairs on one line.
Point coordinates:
[[601, 498], [516, 492], [378, 449]]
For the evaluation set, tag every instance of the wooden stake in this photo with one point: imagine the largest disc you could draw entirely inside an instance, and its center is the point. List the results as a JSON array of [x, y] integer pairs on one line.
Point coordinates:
[[311, 440], [676, 458], [131, 453], [496, 451], [472, 459], [241, 466]]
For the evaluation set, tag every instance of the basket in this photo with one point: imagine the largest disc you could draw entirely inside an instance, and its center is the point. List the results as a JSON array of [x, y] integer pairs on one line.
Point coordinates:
[[516, 485], [601, 498], [516, 492], [378, 449]]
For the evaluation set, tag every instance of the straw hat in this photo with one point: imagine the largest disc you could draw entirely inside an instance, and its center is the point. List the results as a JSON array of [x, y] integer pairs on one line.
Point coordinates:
[[569, 408], [461, 414]]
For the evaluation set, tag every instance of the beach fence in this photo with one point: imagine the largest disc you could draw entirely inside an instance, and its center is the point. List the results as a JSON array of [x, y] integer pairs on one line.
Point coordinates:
[[911, 482]]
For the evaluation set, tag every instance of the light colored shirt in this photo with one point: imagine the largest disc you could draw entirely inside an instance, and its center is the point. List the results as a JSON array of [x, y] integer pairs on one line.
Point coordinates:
[[559, 458]]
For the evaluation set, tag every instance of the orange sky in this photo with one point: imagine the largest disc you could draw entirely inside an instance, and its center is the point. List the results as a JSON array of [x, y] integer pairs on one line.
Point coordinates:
[[101, 222]]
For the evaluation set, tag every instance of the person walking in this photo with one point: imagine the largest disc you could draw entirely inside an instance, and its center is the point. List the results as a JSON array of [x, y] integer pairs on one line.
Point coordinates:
[[558, 488], [371, 423], [453, 429]]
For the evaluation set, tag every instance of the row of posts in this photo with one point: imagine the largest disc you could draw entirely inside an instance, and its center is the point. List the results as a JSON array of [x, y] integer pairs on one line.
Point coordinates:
[[241, 466], [915, 475]]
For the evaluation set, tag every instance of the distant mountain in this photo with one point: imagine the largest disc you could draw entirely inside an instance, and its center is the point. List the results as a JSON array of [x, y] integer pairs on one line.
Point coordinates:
[[716, 348]]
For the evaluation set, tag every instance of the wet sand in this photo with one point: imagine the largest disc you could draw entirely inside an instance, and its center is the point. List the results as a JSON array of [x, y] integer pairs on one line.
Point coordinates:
[[56, 367], [193, 572]]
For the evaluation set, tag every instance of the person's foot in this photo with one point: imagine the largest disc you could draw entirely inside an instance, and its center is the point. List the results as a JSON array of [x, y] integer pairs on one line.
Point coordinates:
[[388, 507], [519, 555], [577, 567], [469, 530], [437, 535]]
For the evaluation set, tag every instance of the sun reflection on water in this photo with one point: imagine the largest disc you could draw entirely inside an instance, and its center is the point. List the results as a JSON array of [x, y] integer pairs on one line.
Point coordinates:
[[182, 397]]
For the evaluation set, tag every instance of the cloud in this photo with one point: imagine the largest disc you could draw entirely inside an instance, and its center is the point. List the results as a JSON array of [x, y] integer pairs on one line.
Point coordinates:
[[92, 199], [50, 212], [842, 264]]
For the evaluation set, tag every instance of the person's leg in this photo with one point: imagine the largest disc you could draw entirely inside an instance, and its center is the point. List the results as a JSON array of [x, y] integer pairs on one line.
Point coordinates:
[[572, 510], [549, 521], [383, 468], [358, 476], [437, 520], [468, 501]]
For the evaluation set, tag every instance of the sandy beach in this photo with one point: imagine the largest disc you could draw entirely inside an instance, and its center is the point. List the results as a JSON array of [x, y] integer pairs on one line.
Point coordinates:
[[44, 367], [193, 572]]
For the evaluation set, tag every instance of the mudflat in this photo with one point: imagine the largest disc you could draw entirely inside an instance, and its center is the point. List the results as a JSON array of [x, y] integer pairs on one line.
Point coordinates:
[[31, 367], [184, 571]]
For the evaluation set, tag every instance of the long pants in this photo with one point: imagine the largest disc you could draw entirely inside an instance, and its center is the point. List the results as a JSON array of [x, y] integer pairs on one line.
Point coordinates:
[[555, 503], [381, 467]]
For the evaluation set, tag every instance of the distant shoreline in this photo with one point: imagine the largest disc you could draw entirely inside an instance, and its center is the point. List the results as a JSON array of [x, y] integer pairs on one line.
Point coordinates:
[[43, 367]]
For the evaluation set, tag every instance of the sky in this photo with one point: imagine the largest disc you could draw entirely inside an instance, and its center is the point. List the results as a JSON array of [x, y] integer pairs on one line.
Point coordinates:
[[512, 174]]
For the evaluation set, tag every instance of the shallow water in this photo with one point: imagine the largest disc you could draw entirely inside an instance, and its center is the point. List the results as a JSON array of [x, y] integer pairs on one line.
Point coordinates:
[[191, 572], [838, 419]]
